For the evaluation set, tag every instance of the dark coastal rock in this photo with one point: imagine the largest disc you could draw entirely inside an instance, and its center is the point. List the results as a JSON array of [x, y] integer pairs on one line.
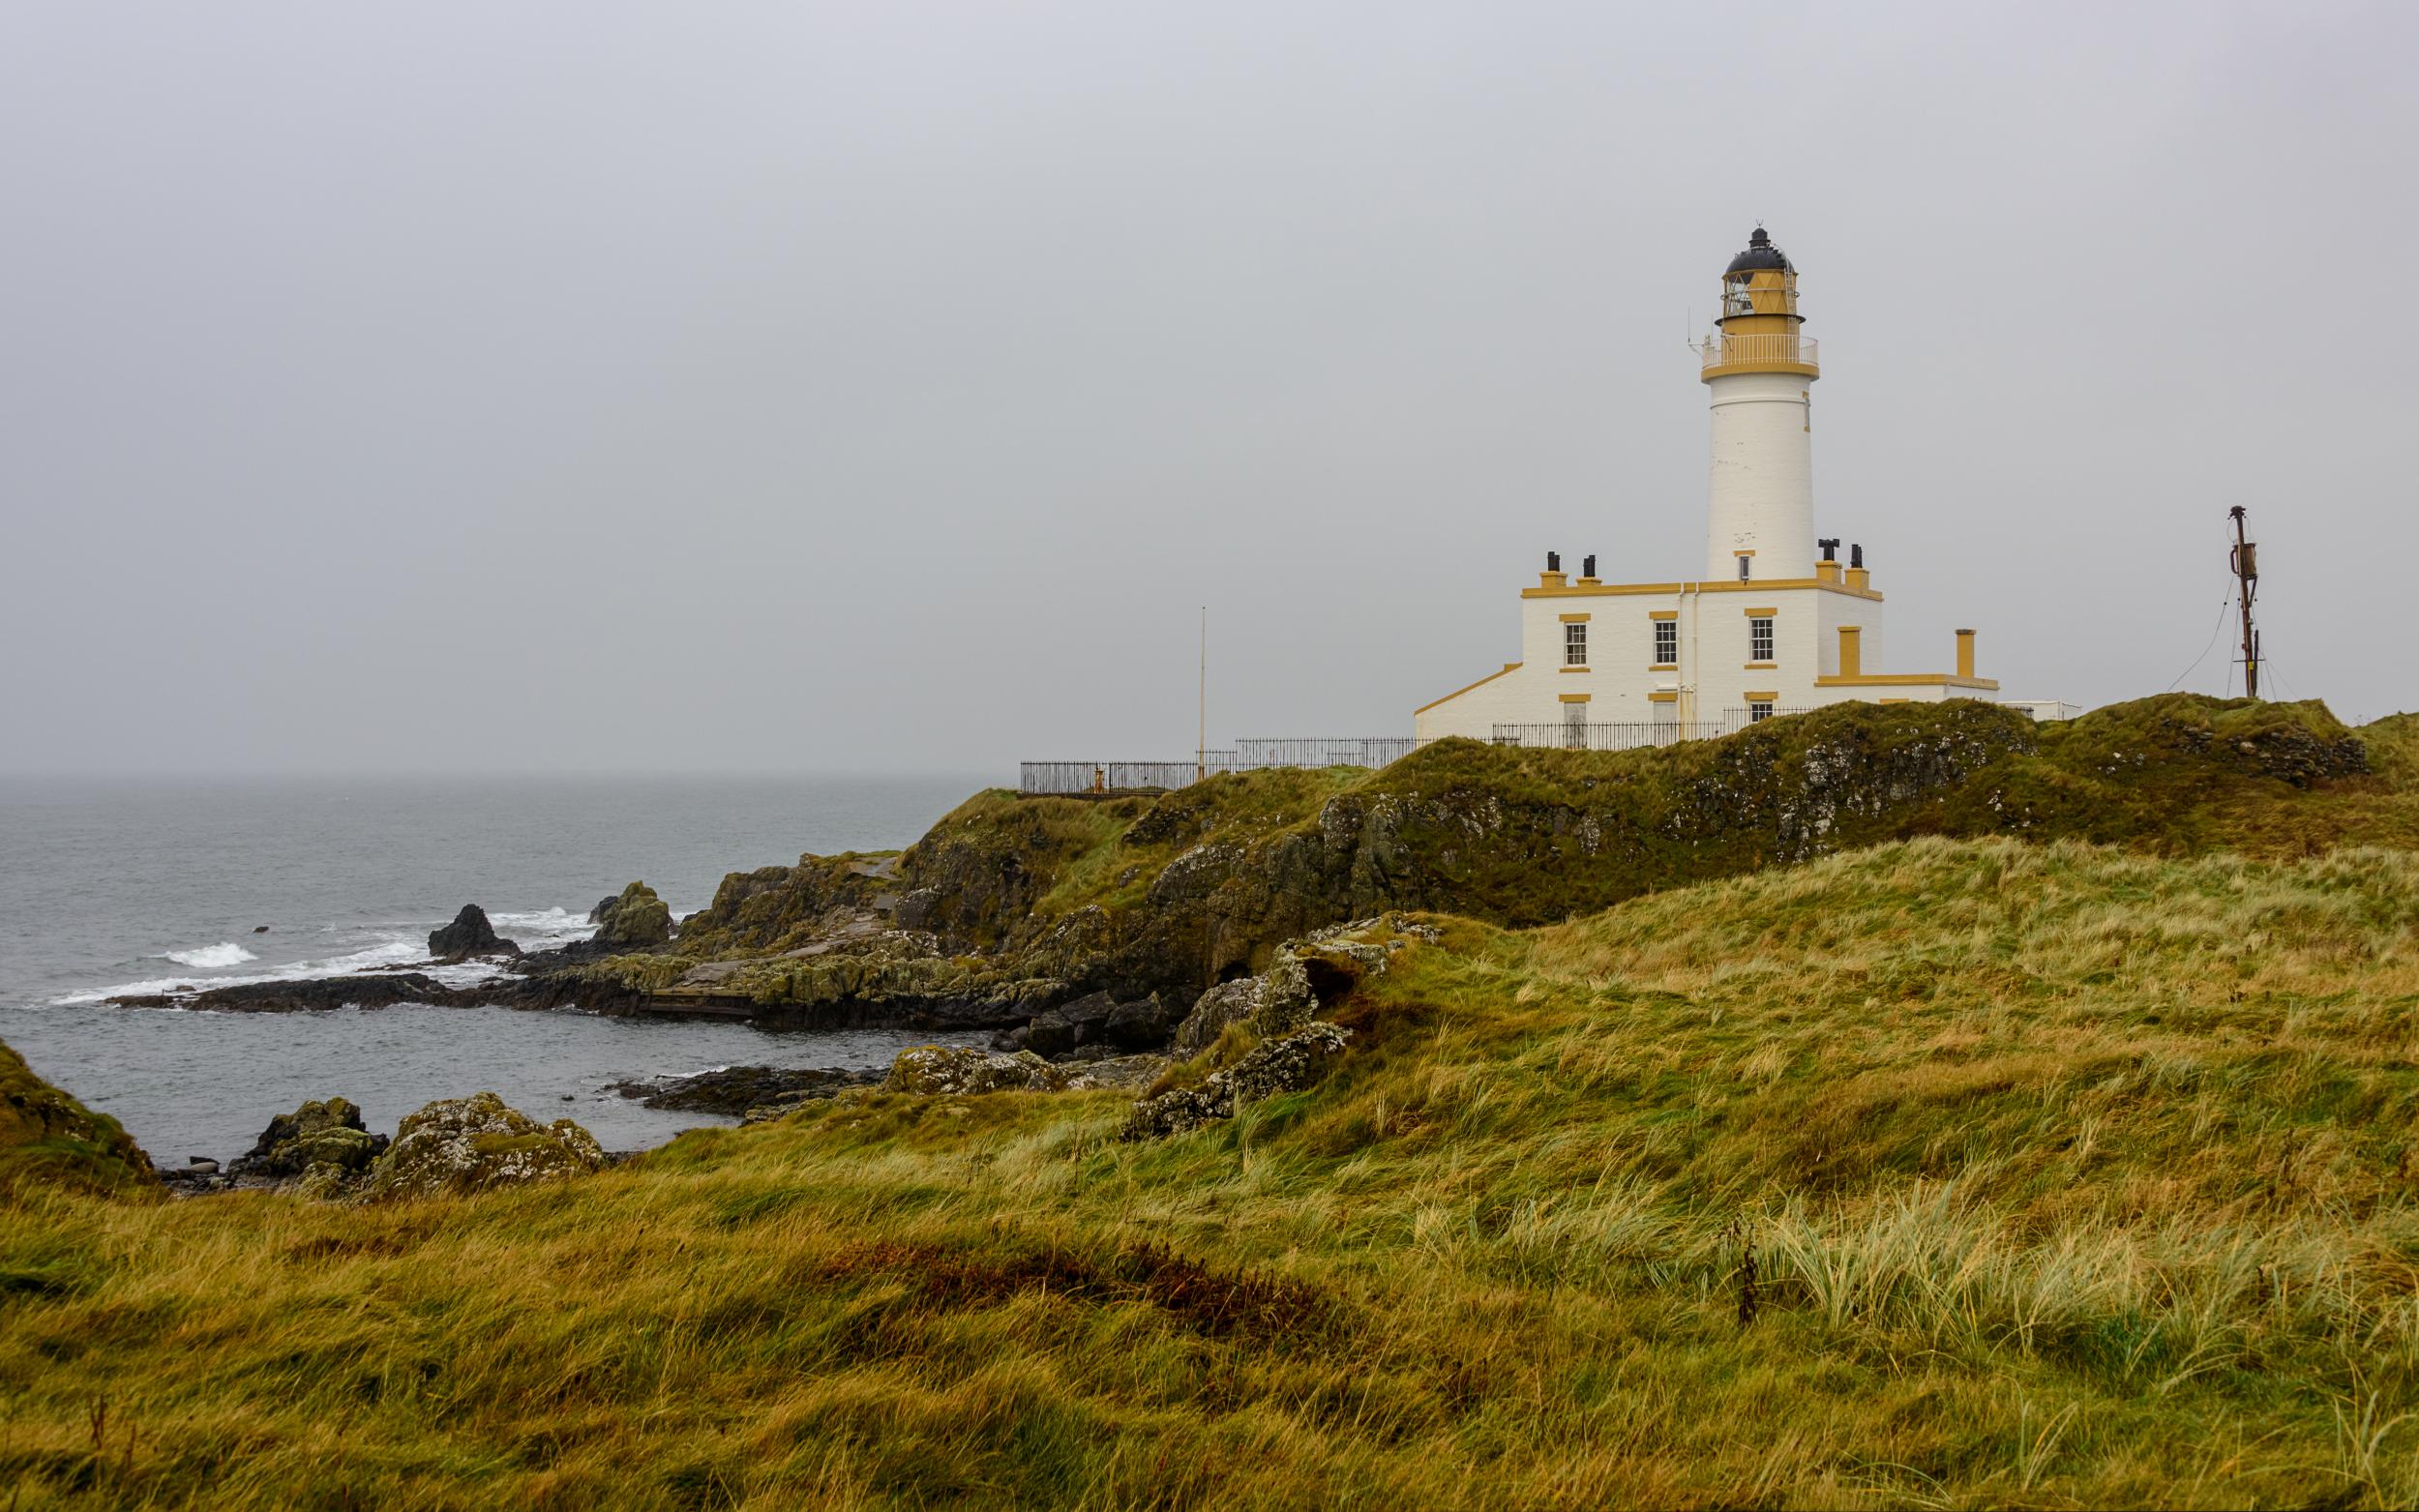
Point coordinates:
[[470, 935], [335, 991], [318, 1134], [474, 1144], [736, 1091], [635, 920], [1097, 1021]]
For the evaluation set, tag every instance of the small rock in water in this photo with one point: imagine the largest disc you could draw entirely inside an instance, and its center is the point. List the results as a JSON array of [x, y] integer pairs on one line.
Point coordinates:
[[260, 929], [470, 935], [203, 1163]]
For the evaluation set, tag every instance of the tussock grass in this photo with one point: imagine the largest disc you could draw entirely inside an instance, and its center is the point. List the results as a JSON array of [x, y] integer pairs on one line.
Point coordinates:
[[2065, 1175]]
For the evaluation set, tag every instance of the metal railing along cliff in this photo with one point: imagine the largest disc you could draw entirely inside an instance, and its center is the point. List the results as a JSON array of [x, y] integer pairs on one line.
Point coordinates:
[[1248, 756]]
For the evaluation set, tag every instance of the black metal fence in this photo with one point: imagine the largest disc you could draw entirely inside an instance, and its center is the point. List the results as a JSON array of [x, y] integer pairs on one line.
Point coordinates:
[[1371, 750], [1248, 756], [1629, 737], [1324, 750]]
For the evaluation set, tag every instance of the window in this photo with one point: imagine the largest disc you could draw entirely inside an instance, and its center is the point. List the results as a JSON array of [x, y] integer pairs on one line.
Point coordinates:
[[1667, 642], [1758, 712], [1575, 643], [1745, 562], [1575, 726], [1760, 638], [1667, 720]]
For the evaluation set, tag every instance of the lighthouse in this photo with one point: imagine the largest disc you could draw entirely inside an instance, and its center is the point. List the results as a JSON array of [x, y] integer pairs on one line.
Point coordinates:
[[1633, 656], [1759, 370]]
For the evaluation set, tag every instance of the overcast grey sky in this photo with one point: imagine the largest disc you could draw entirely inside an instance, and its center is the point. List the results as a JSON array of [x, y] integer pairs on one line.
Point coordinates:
[[602, 386]]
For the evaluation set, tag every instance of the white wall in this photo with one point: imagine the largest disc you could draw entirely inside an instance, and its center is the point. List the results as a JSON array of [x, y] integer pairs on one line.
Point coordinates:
[[1761, 491]]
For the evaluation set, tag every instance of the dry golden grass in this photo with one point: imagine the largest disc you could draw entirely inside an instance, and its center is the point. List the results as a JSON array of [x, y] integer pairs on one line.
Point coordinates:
[[2064, 1177]]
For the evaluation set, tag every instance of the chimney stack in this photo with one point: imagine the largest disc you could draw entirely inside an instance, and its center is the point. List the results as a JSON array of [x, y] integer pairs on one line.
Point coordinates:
[[1586, 567], [1965, 653]]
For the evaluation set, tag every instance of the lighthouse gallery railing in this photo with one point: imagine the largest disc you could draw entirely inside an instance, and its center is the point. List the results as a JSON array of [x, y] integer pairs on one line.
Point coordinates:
[[1732, 351]]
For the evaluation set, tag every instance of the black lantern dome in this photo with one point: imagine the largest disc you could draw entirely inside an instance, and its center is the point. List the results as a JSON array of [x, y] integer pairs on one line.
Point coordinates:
[[1760, 253]]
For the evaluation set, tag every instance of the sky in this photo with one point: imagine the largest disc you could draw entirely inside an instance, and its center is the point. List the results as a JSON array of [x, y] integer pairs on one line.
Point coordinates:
[[574, 386]]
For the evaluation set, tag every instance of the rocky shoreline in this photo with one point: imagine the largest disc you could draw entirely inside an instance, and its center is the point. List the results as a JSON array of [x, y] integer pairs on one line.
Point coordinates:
[[1106, 943]]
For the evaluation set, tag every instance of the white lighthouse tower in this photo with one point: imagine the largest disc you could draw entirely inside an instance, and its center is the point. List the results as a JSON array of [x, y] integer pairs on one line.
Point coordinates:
[[1635, 657], [1760, 371]]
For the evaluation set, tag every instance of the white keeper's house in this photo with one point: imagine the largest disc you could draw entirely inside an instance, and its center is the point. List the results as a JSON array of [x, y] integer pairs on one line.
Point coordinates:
[[1778, 622]]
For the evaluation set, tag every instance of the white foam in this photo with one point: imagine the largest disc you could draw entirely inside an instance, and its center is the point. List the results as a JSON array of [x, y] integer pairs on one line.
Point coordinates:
[[398, 944], [543, 928], [226, 954]]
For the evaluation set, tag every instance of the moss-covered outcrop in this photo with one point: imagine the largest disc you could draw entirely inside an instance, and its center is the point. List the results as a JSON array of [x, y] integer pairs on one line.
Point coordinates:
[[51, 1141], [326, 1141], [635, 920]]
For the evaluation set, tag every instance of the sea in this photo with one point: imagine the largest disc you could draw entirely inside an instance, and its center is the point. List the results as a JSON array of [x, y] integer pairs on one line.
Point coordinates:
[[111, 886]]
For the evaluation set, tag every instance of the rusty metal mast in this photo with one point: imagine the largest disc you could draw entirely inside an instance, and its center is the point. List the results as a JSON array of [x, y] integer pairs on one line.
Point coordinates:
[[2247, 577]]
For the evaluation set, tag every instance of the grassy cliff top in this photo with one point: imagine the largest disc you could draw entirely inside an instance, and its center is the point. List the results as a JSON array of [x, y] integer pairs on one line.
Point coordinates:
[[1942, 1171], [49, 1140], [1209, 877]]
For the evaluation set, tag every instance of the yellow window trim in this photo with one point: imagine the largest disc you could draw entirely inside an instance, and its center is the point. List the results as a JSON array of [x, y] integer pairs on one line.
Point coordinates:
[[1574, 619], [1758, 667], [1761, 697], [1759, 613], [1663, 613], [1575, 697], [1909, 680], [1666, 590], [1662, 697], [1749, 551], [1578, 668], [1662, 666]]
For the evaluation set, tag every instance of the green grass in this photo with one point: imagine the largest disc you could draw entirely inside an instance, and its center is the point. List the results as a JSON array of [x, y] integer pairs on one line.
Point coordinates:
[[2070, 1174]]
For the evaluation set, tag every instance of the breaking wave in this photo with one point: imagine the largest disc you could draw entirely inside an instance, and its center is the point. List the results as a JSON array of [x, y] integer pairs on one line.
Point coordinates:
[[226, 954]]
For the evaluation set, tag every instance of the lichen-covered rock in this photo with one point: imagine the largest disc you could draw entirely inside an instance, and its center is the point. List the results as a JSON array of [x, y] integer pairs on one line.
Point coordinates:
[[323, 1182], [328, 1134], [1274, 1003], [1281, 1065], [953, 1070], [475, 1143], [636, 920], [470, 935], [1228, 1003]]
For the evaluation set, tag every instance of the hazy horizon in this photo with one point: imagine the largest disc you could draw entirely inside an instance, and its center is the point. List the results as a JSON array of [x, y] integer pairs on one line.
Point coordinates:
[[749, 389]]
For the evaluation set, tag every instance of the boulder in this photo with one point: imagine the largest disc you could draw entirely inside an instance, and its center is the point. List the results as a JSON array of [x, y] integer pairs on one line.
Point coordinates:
[[475, 1145], [326, 1134], [1097, 1023], [1287, 1064], [1276, 1002], [635, 920], [954, 1070], [470, 935], [1059, 1029], [1145, 1024]]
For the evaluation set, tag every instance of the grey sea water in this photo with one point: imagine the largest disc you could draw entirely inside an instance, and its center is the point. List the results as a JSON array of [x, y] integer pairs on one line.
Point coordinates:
[[111, 886]]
